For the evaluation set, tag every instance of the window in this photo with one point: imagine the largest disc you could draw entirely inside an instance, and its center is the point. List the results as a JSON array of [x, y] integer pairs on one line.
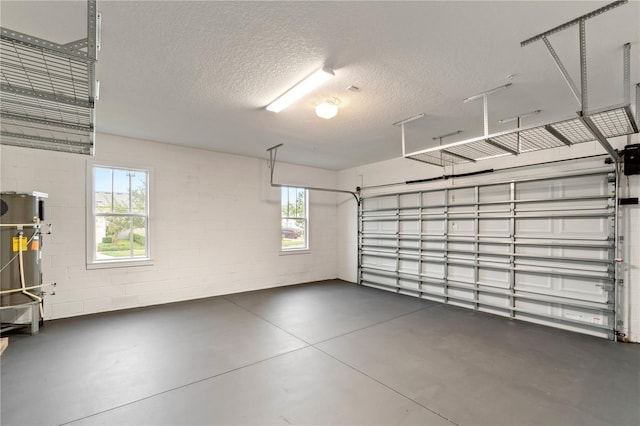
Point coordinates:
[[294, 219], [120, 215]]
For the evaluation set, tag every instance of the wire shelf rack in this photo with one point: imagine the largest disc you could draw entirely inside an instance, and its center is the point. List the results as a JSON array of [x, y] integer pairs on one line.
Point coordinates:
[[48, 90], [611, 122]]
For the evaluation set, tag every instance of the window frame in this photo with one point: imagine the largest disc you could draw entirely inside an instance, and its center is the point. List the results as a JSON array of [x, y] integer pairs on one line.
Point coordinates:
[[91, 260], [307, 247]]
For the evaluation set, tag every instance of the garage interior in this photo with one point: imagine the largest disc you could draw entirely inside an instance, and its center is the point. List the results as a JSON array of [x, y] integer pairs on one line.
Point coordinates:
[[444, 229]]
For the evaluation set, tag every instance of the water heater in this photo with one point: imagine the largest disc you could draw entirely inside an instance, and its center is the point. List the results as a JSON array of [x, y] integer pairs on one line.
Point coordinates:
[[21, 217]]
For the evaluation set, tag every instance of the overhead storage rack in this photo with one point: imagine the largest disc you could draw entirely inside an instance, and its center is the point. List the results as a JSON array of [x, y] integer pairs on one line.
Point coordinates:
[[48, 90], [597, 125], [610, 122]]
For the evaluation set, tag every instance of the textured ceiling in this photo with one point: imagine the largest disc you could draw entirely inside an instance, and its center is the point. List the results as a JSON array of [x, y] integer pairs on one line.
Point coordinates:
[[200, 73]]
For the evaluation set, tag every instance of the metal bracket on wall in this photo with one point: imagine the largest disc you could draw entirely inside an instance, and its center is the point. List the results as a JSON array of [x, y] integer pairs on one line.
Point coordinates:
[[273, 152], [589, 125], [48, 90]]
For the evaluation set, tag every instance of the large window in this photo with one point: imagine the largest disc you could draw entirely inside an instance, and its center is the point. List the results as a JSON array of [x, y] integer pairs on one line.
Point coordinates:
[[120, 205], [294, 219]]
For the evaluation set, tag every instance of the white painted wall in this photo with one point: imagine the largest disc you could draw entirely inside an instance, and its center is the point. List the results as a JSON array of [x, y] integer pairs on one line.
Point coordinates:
[[401, 170], [214, 218]]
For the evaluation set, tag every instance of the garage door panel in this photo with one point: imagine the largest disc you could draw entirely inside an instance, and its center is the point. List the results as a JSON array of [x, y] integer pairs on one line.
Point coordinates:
[[437, 246], [533, 282], [410, 200], [380, 203], [410, 227], [540, 308], [494, 193], [494, 301], [461, 294], [494, 277], [494, 248], [534, 226], [461, 196], [433, 198], [409, 266], [384, 227], [535, 190], [536, 250], [433, 227], [494, 227], [432, 269], [458, 272], [595, 228], [461, 227], [596, 253], [586, 315], [582, 186], [583, 289], [385, 263]]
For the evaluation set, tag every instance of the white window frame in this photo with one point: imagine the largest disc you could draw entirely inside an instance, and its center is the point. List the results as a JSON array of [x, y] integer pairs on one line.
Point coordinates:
[[92, 262], [306, 248]]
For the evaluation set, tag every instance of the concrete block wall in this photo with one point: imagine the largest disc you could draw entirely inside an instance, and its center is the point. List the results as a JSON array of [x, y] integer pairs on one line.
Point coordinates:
[[214, 218], [401, 170]]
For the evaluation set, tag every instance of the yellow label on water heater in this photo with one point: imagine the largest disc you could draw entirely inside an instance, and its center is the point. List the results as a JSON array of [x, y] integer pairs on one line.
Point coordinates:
[[20, 243]]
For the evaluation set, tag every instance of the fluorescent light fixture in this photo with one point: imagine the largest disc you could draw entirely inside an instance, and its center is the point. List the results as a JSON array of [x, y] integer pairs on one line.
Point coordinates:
[[301, 89], [327, 110]]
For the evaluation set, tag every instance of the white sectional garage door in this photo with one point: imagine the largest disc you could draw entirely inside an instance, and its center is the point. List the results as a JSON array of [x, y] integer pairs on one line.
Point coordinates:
[[539, 250]]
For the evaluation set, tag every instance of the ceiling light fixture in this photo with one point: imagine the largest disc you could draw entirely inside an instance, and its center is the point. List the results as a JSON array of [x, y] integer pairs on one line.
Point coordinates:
[[328, 109], [301, 89]]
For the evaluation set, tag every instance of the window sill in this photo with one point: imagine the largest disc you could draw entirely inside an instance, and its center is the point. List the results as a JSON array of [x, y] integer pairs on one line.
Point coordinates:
[[120, 264], [294, 251]]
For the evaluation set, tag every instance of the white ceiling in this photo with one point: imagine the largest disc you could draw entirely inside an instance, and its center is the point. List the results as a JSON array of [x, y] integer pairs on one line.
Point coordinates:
[[200, 73]]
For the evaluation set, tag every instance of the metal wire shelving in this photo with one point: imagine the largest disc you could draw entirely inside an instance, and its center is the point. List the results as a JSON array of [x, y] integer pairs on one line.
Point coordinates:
[[48, 90], [610, 122]]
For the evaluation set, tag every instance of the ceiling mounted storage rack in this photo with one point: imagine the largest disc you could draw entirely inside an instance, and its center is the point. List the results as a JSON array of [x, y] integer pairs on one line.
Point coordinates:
[[48, 90], [597, 125]]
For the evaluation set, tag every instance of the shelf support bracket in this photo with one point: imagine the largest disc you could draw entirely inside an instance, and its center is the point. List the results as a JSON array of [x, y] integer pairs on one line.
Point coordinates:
[[401, 123], [583, 67], [563, 70], [599, 136], [27, 119], [38, 94], [556, 134], [77, 45], [43, 139], [626, 78], [461, 157], [501, 146]]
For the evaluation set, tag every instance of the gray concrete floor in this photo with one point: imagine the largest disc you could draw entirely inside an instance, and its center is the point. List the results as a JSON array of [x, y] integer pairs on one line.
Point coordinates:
[[319, 353]]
